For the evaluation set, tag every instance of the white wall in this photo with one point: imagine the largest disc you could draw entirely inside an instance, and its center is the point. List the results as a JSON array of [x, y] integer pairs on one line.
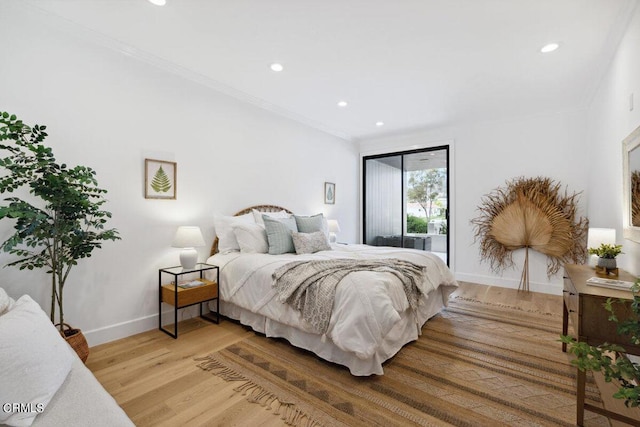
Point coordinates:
[[486, 155], [580, 149], [109, 111], [609, 121]]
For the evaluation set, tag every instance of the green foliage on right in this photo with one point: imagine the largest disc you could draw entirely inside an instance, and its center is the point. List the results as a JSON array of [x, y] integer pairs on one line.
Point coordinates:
[[600, 358]]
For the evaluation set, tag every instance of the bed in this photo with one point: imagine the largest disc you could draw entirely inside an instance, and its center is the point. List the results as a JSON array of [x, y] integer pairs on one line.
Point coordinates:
[[372, 316]]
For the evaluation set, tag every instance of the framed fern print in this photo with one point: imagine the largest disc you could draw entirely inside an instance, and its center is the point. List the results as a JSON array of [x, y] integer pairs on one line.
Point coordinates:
[[159, 179]]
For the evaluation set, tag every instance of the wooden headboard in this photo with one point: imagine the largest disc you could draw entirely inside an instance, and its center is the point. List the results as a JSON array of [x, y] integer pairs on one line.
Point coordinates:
[[259, 208]]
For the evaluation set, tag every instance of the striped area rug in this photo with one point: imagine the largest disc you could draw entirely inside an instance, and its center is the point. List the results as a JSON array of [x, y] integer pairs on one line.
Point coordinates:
[[474, 365]]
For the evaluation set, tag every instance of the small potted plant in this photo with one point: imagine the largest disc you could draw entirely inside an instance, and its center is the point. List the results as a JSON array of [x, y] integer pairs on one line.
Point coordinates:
[[606, 255]]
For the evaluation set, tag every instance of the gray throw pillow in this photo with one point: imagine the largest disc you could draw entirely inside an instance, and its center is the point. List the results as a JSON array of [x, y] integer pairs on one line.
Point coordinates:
[[310, 224], [279, 234], [308, 243]]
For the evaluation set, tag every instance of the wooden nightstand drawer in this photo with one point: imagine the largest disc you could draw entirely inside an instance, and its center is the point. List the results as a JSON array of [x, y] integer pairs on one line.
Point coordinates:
[[189, 296], [571, 301]]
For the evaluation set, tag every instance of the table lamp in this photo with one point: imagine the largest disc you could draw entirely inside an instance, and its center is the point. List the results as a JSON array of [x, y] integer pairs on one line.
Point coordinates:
[[188, 238], [598, 236], [334, 228]]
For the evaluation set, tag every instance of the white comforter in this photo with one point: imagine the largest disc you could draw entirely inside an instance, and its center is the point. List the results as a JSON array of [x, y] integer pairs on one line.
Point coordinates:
[[367, 304]]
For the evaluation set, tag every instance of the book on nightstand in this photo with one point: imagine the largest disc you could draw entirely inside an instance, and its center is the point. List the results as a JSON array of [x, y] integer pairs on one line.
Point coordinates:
[[190, 284], [610, 283]]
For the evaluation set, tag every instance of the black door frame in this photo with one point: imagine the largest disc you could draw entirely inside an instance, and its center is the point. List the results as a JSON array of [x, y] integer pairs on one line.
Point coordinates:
[[447, 149]]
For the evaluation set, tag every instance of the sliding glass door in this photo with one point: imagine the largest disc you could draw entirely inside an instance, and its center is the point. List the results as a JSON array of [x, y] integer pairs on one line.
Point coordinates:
[[405, 199]]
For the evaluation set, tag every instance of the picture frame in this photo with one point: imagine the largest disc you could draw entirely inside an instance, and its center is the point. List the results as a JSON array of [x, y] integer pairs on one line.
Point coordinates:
[[329, 193], [160, 179]]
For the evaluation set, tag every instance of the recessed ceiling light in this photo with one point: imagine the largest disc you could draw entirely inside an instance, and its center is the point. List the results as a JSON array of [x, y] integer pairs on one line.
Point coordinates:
[[277, 67], [342, 104], [158, 2], [379, 124], [549, 47]]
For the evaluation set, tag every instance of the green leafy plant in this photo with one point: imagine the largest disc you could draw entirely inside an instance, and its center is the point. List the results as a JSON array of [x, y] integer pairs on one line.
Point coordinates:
[[605, 358], [64, 222], [606, 250], [425, 187], [444, 229], [160, 182], [416, 224]]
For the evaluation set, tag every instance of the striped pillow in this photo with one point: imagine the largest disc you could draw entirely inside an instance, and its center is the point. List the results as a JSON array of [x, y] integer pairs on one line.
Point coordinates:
[[310, 224], [279, 234]]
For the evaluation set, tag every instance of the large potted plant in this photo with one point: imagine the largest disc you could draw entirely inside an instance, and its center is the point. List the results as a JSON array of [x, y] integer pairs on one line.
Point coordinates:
[[60, 224]]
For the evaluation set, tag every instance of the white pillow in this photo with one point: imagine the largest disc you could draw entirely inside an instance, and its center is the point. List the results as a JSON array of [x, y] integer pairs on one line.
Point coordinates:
[[257, 216], [227, 241], [252, 238], [309, 243], [34, 361], [6, 302]]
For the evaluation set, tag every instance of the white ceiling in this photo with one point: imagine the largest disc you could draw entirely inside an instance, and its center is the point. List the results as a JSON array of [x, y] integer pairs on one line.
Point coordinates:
[[413, 64]]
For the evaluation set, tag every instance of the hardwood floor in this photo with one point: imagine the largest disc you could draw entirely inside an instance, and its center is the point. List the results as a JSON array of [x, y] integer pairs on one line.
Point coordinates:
[[155, 379]]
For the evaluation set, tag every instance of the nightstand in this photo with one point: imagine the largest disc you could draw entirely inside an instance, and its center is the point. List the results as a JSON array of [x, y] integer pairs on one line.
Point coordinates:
[[584, 307], [181, 297]]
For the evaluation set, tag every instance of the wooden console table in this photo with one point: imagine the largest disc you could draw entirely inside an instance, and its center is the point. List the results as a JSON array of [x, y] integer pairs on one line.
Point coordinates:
[[584, 305]]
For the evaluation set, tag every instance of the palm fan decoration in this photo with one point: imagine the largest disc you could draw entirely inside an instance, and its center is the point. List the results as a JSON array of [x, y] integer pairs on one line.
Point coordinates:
[[635, 198], [530, 213]]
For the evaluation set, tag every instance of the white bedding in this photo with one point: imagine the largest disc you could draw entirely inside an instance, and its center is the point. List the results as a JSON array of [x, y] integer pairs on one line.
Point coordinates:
[[371, 319]]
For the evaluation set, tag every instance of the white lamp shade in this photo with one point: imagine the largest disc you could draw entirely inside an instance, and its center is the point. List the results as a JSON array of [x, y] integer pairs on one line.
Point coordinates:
[[188, 237], [598, 236]]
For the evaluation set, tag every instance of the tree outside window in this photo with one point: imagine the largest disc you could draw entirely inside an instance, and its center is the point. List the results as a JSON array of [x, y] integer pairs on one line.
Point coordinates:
[[425, 187]]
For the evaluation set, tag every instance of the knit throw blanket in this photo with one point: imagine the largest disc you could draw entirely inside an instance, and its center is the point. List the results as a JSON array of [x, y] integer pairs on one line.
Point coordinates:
[[310, 286]]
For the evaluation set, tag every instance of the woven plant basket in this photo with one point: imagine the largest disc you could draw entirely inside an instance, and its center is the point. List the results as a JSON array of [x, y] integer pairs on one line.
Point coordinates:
[[76, 340]]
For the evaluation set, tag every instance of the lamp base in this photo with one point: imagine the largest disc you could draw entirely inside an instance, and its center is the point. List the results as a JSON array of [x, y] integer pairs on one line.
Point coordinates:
[[188, 258], [332, 237]]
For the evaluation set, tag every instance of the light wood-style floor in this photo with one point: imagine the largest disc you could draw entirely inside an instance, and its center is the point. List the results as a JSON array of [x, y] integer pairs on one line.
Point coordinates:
[[155, 379]]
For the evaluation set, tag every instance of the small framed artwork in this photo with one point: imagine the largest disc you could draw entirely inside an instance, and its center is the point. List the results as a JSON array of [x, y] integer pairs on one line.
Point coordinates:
[[159, 179], [329, 193]]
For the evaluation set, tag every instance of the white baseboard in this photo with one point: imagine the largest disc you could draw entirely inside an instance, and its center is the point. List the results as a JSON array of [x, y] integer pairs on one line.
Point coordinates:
[[131, 327], [120, 330], [546, 288], [147, 323]]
